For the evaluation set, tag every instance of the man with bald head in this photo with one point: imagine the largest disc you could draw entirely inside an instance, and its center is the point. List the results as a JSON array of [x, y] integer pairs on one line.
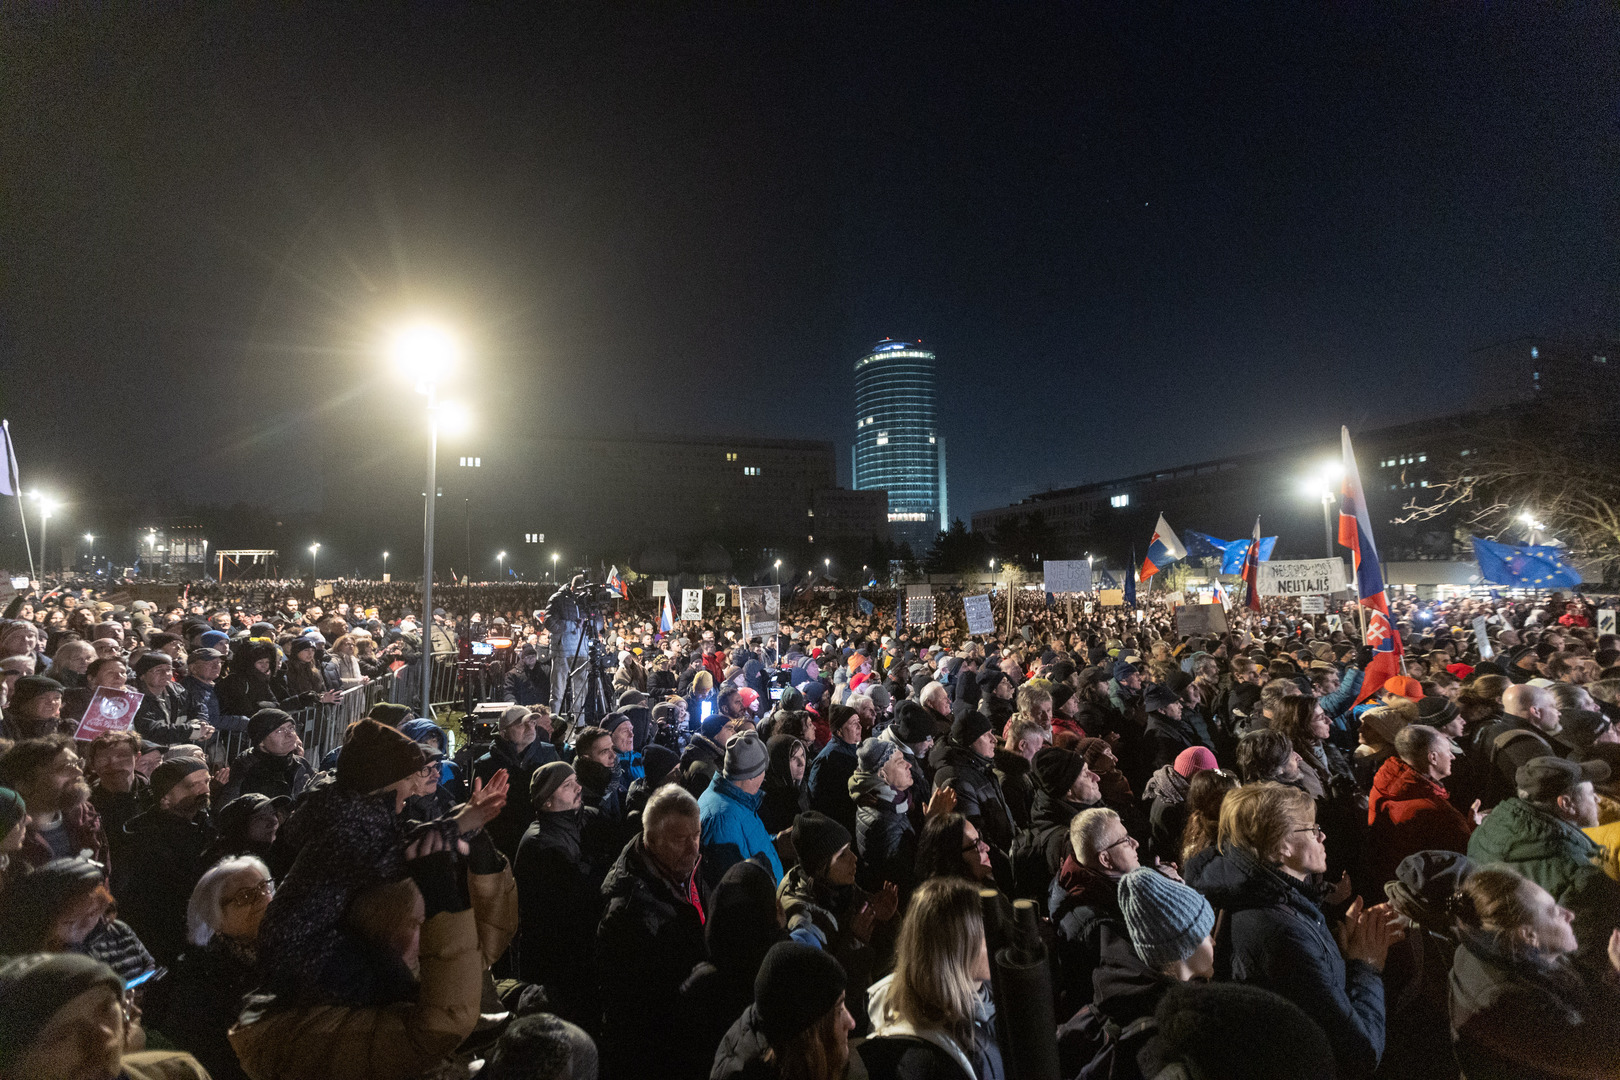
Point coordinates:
[[1528, 729]]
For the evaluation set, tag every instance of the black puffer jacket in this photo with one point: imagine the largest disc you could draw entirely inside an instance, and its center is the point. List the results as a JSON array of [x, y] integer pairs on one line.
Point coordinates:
[[508, 827], [196, 1004], [263, 773], [1038, 851], [649, 940], [153, 881], [1280, 940], [1083, 903], [559, 885], [165, 718], [886, 844], [1017, 785], [979, 797]]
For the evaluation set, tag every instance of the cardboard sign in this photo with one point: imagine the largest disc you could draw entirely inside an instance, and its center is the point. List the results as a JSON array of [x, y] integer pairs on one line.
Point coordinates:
[[691, 605], [1605, 621], [1111, 597], [1314, 604], [322, 591], [109, 710], [1201, 619], [1483, 639], [1335, 623], [1067, 576], [1302, 577], [761, 610], [660, 588], [981, 619]]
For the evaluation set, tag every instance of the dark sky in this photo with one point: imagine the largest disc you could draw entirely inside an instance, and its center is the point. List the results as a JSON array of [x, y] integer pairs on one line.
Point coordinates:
[[1136, 234]]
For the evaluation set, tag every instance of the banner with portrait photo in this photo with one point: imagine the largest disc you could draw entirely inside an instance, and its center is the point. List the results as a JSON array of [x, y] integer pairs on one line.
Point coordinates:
[[761, 610]]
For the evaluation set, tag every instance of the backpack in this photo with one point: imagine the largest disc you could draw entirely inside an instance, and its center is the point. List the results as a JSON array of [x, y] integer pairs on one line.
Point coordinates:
[[1093, 1047]]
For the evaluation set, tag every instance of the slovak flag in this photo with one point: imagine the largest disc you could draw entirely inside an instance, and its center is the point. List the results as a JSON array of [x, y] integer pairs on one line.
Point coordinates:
[[1163, 550], [614, 583], [1220, 594], [1251, 572], [666, 617], [1355, 533]]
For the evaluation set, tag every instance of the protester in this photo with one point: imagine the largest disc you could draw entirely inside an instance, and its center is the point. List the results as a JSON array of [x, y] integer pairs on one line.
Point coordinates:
[[65, 906], [46, 772], [786, 793], [798, 1025], [1064, 786], [729, 812], [274, 767], [1167, 789], [164, 857], [1408, 810]]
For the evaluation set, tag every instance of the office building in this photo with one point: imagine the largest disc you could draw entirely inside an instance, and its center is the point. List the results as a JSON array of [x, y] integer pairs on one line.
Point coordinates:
[[898, 447]]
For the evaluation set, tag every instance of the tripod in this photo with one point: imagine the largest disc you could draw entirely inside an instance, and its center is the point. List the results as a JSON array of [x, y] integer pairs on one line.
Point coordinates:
[[595, 706]]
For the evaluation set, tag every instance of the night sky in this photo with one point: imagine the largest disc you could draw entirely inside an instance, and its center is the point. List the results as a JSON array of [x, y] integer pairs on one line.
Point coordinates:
[[1136, 235]]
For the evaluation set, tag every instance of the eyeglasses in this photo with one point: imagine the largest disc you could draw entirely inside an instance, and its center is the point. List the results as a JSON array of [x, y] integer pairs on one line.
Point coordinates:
[[1127, 838], [979, 844], [263, 890], [1320, 833]]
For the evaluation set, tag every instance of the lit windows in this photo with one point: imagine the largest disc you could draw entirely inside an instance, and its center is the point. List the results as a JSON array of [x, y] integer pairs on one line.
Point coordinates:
[[472, 463], [810, 513], [903, 516], [534, 538], [1119, 502], [883, 440], [731, 457], [750, 470]]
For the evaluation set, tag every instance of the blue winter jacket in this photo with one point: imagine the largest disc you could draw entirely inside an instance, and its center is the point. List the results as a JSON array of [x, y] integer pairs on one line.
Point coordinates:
[[731, 829]]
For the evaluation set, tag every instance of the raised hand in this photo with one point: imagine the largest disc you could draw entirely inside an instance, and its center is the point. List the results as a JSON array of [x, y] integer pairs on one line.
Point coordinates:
[[1477, 814], [486, 802], [942, 802], [886, 901]]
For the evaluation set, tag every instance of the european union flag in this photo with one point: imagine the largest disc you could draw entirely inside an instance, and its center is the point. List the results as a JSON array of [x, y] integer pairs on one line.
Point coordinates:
[[1531, 566], [1105, 580], [1238, 550], [865, 605], [1203, 546]]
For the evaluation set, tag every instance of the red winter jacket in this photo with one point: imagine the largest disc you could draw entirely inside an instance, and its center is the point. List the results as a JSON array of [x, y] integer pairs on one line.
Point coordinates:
[[1407, 813]]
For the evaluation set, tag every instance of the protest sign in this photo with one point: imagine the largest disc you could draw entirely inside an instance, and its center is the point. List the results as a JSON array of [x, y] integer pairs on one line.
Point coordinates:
[[919, 605], [1201, 619], [322, 592], [760, 606], [1111, 597], [981, 619], [1605, 621], [110, 709], [1482, 638], [1067, 576], [1314, 604], [1335, 623], [1301, 577], [691, 605], [660, 588]]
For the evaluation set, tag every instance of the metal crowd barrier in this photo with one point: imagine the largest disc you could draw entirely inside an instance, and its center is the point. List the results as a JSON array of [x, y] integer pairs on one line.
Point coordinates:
[[322, 726]]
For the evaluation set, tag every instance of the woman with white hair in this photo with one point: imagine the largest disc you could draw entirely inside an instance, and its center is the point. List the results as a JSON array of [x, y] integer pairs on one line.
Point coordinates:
[[199, 1000]]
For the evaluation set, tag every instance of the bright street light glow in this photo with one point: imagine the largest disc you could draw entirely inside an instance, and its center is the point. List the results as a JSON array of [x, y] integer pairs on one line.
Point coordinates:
[[89, 538], [454, 419], [425, 352]]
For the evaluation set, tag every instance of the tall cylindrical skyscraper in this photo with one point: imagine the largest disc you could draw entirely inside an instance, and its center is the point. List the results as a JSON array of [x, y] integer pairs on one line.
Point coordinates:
[[897, 448]]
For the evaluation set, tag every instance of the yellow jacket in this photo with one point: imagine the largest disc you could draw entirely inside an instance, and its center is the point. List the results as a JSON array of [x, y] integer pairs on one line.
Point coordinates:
[[336, 1042], [1609, 836]]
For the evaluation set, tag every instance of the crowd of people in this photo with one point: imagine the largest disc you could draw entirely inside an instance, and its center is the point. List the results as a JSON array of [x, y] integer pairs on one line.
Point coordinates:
[[815, 853]]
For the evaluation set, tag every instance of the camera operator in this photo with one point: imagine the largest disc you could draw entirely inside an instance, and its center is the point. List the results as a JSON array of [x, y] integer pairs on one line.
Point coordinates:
[[529, 681]]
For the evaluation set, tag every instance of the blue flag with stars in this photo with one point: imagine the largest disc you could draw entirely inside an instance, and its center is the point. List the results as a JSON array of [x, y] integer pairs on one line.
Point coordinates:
[[1530, 566], [865, 605]]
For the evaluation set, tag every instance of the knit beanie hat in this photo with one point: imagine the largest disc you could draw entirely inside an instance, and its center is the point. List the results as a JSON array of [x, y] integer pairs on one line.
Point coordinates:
[[1061, 693], [389, 714], [33, 988], [1195, 759], [1056, 770], [545, 781], [611, 720], [746, 757], [816, 839], [1166, 919], [873, 753], [912, 722], [264, 722], [374, 756], [170, 773], [797, 985], [12, 810], [232, 819], [150, 660], [658, 761], [1196, 1022], [29, 687], [965, 729], [214, 639]]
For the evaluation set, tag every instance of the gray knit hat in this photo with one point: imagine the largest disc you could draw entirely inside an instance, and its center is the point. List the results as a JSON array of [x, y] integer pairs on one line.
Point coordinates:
[[746, 757], [1166, 919], [544, 781], [874, 754]]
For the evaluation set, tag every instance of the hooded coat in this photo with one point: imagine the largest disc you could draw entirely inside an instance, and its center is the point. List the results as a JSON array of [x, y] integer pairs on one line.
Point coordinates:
[[649, 940], [1278, 939], [884, 837], [161, 864], [1560, 858], [1083, 902], [1407, 813], [1017, 785], [1166, 792], [784, 799], [1038, 851], [829, 782]]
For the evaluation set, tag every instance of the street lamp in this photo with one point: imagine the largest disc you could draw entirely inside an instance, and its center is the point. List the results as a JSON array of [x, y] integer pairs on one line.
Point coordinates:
[[46, 507], [778, 572], [1322, 487], [500, 565], [553, 566], [91, 540], [385, 564], [827, 565], [314, 552], [425, 353], [1531, 525]]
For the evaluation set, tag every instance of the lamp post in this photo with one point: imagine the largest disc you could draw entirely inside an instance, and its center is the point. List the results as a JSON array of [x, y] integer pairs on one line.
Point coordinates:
[[425, 353], [1322, 487], [46, 505], [91, 540], [500, 565], [314, 553], [553, 566], [385, 564], [778, 573], [827, 566], [1531, 525]]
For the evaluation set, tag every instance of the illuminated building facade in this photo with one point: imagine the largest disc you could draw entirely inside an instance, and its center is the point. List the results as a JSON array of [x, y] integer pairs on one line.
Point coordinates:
[[898, 448]]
